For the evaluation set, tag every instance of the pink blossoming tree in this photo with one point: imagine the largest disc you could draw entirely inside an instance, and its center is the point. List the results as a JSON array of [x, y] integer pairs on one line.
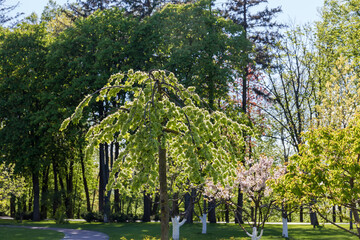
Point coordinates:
[[254, 178]]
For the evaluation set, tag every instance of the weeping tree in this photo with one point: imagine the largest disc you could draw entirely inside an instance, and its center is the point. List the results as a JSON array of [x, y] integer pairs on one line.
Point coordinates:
[[162, 124]]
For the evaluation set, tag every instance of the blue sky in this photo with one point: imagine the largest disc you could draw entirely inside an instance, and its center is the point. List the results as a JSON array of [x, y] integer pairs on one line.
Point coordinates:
[[294, 11]]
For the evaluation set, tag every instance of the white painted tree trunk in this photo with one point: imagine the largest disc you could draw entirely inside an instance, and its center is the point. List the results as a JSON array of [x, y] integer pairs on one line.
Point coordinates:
[[176, 226], [203, 221], [285, 228], [254, 235]]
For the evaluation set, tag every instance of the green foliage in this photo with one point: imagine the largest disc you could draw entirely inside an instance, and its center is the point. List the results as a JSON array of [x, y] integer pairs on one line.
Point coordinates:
[[93, 217], [199, 143], [325, 172], [22, 64], [10, 184], [60, 216], [201, 48]]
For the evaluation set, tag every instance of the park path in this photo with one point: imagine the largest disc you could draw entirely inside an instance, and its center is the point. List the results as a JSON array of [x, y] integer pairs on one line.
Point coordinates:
[[71, 234]]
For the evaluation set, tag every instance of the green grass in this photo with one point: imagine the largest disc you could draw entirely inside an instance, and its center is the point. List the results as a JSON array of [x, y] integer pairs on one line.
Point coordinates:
[[9, 233], [138, 231]]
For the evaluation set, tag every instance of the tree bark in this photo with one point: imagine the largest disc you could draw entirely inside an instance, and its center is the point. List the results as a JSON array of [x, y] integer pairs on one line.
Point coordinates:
[[227, 218], [212, 214], [36, 190], [86, 188], [175, 205], [102, 177], [12, 206], [188, 199], [203, 223], [106, 178], [155, 207], [69, 190], [239, 207], [56, 196], [117, 203], [163, 193], [340, 212], [356, 219], [147, 207], [44, 193], [176, 227]]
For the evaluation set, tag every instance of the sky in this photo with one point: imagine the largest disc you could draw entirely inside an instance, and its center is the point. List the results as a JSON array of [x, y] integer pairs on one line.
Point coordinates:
[[295, 12]]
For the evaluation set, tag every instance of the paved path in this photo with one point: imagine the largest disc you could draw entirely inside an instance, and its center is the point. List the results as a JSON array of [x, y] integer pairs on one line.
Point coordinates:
[[71, 234]]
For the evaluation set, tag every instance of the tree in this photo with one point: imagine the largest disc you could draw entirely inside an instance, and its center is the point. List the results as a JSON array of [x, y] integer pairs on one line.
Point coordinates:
[[201, 48], [9, 184], [323, 173], [260, 27], [336, 31], [82, 59], [142, 8], [253, 177], [5, 10], [262, 32], [22, 77], [160, 124], [84, 8], [326, 172], [292, 88]]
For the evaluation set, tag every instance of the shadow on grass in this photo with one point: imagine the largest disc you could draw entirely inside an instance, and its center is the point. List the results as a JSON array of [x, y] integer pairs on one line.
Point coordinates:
[[8, 233], [138, 231]]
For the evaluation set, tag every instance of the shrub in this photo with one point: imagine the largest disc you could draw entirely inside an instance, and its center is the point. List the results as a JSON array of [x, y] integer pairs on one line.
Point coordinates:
[[23, 216], [93, 217], [60, 216]]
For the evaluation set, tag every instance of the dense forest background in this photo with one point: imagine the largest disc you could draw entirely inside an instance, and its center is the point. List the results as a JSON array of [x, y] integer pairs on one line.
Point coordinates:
[[282, 83]]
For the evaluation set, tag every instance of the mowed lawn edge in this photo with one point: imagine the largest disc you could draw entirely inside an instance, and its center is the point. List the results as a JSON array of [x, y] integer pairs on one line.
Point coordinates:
[[219, 231]]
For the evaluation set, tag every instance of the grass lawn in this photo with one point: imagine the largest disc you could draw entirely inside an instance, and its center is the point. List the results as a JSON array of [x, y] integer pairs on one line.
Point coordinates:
[[9, 233], [138, 231]]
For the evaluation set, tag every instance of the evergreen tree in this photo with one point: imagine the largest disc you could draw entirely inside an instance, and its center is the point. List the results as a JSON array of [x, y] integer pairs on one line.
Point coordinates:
[[261, 29]]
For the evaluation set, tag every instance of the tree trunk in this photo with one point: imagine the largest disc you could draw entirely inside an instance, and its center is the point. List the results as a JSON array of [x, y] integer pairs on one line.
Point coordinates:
[[203, 222], [31, 195], [175, 205], [163, 193], [69, 190], [285, 233], [239, 207], [155, 207], [176, 224], [212, 214], [147, 207], [301, 213], [189, 198], [44, 192], [254, 235], [356, 219], [106, 178], [227, 218], [87, 195], [334, 213], [56, 196], [102, 177], [36, 189], [340, 212], [12, 206], [313, 219]]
